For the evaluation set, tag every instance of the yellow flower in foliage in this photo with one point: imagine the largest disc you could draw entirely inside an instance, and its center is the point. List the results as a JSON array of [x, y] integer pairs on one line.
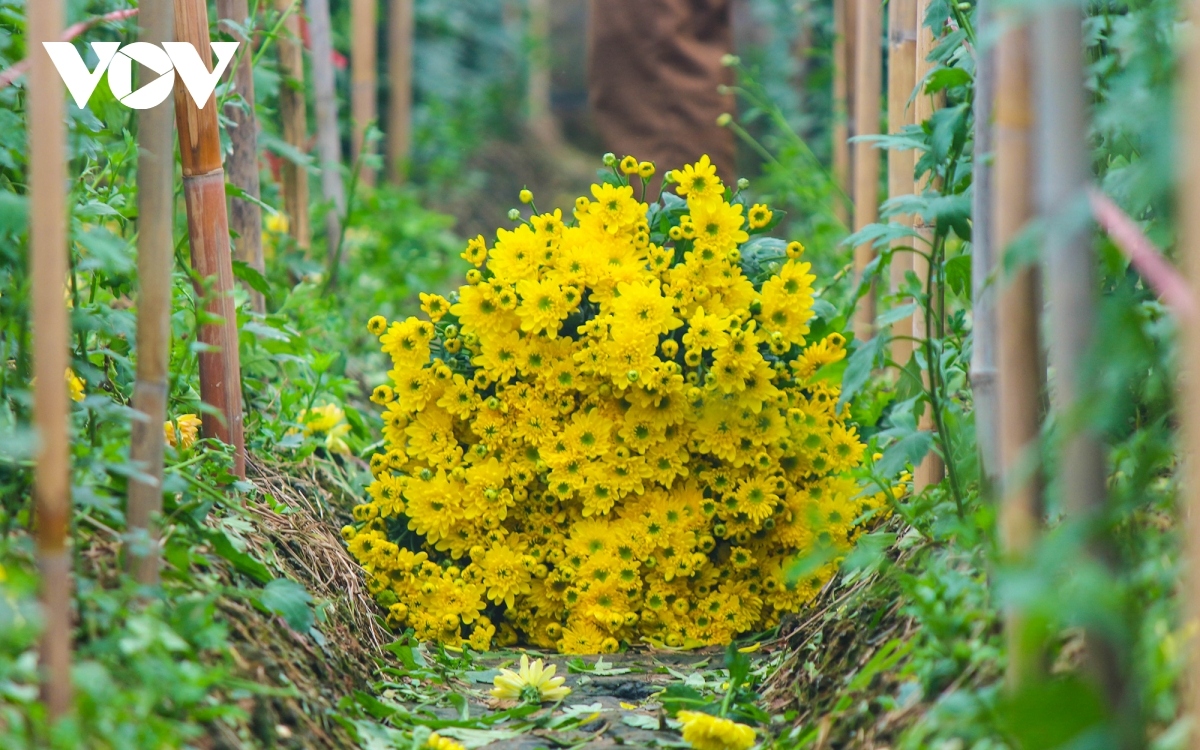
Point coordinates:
[[328, 425], [534, 683], [759, 216], [75, 385], [705, 732], [183, 431], [612, 435], [436, 741]]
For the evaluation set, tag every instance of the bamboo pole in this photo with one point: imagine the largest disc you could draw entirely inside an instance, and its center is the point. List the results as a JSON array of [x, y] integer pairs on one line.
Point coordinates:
[[208, 232], [51, 333], [843, 103], [1189, 345], [1071, 271], [868, 89], [400, 73], [1018, 355], [293, 110], [902, 78], [542, 124], [245, 216], [363, 87], [156, 258], [983, 261], [329, 142], [932, 468]]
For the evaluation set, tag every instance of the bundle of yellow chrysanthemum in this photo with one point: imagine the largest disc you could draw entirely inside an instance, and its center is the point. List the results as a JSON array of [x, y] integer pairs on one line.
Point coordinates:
[[610, 434]]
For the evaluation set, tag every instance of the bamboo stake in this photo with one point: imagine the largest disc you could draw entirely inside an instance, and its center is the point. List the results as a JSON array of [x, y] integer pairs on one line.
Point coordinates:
[[293, 110], [363, 87], [932, 468], [245, 217], [983, 262], [1018, 356], [1071, 273], [329, 142], [400, 73], [1189, 344], [868, 88], [843, 103], [51, 332], [156, 258], [902, 78], [208, 232], [542, 124]]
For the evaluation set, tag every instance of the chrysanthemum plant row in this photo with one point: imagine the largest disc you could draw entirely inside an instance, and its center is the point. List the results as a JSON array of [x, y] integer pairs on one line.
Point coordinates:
[[614, 432]]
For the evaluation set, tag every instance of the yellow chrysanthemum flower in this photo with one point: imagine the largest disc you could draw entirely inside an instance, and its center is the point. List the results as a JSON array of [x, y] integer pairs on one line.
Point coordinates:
[[182, 432], [705, 732], [328, 425], [438, 742], [534, 683], [699, 181], [75, 385]]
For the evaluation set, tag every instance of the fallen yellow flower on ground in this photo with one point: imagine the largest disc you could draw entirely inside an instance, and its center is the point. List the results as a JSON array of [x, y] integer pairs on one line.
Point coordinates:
[[438, 742], [705, 732], [534, 683]]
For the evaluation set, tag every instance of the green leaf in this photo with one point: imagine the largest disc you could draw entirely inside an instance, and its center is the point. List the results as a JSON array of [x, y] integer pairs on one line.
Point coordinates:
[[859, 366], [291, 601], [14, 213], [245, 563], [896, 314], [641, 721], [910, 449], [946, 78], [252, 276]]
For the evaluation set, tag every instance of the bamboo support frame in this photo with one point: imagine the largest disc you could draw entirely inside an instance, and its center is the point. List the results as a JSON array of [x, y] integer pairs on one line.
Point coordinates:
[[51, 334], [329, 142], [1189, 347], [868, 90], [1018, 352], [400, 75], [293, 111], [156, 259], [542, 124], [933, 468], [363, 80], [844, 16], [983, 260], [245, 216], [902, 78], [208, 232]]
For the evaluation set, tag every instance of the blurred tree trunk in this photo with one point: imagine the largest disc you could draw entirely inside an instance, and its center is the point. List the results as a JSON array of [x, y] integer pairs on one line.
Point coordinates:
[[983, 261], [844, 22], [156, 259], [51, 333], [401, 38], [329, 142], [926, 320], [902, 78], [364, 56], [868, 89], [1018, 354], [208, 231], [245, 216], [293, 110]]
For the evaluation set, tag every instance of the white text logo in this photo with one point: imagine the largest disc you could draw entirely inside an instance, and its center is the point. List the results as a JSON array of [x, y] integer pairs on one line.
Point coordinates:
[[172, 57]]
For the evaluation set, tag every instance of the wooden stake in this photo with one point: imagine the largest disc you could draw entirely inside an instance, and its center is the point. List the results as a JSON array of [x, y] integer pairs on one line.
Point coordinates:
[[844, 16], [902, 77], [51, 333], [1018, 355], [933, 468], [400, 73], [1071, 273], [245, 217], [542, 124], [156, 258], [329, 141], [868, 88], [983, 261], [363, 88], [293, 110], [208, 232], [1189, 344]]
